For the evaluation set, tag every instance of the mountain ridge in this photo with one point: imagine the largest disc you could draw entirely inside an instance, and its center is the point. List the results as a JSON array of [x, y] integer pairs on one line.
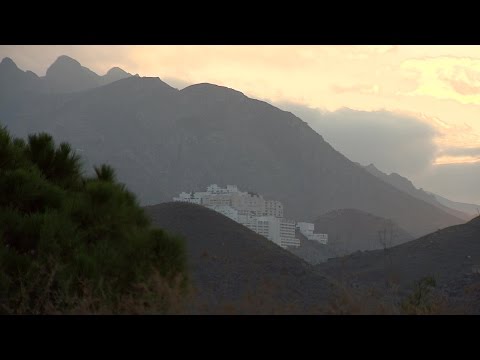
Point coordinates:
[[163, 141], [404, 184], [64, 75]]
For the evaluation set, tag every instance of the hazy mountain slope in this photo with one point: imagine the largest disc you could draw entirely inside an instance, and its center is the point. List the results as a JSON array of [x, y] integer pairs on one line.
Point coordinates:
[[405, 185], [164, 141], [228, 262], [351, 230], [470, 209]]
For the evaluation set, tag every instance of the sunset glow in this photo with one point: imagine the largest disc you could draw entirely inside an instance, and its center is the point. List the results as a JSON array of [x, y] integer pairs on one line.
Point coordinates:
[[437, 84]]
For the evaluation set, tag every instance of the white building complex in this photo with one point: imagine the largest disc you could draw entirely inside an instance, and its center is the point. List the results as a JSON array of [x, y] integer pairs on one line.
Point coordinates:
[[265, 217], [307, 230]]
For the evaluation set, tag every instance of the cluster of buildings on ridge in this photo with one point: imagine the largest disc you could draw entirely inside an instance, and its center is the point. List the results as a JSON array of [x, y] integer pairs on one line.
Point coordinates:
[[265, 217]]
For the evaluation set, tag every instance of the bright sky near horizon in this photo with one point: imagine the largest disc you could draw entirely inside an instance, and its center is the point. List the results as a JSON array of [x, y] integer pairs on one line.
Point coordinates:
[[438, 85]]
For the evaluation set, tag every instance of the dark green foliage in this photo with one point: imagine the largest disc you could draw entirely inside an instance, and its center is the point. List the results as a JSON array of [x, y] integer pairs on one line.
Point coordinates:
[[59, 165], [62, 234], [105, 173]]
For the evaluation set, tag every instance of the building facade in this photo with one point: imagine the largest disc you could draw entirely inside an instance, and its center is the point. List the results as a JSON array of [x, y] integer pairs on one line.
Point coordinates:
[[265, 217], [307, 229]]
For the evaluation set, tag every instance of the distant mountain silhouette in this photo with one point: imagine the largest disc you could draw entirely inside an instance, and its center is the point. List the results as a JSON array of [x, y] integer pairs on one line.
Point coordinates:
[[13, 80], [163, 141], [228, 263], [405, 185], [63, 76], [351, 230], [470, 209]]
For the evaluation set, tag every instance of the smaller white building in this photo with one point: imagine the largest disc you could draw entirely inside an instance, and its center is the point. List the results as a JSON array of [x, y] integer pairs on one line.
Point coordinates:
[[321, 238], [307, 230]]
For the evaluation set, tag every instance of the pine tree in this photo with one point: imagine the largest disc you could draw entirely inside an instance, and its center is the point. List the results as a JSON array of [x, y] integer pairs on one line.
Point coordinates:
[[65, 237]]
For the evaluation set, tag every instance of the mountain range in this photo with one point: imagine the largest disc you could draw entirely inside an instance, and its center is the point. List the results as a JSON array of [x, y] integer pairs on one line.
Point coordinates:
[[163, 141], [405, 185], [472, 210], [63, 76]]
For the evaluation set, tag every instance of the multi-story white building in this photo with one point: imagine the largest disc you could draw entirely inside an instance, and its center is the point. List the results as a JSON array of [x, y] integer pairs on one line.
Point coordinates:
[[265, 217], [249, 203], [280, 231], [273, 208], [307, 229], [216, 200], [287, 233]]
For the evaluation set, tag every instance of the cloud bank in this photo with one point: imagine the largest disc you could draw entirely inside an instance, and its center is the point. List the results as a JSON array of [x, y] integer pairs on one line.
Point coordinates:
[[393, 142]]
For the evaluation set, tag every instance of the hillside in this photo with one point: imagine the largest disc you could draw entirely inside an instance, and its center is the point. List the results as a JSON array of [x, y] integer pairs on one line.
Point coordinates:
[[163, 141], [451, 256], [232, 266], [351, 230]]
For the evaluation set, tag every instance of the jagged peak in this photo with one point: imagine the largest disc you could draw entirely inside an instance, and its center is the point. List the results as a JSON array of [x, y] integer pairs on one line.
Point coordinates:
[[8, 62], [117, 71], [66, 63], [64, 59]]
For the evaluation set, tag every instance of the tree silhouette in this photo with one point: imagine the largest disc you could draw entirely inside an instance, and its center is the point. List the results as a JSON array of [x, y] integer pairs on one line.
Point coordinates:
[[62, 233]]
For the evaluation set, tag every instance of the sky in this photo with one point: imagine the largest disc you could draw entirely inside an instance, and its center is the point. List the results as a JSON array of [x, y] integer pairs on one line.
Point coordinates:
[[414, 110]]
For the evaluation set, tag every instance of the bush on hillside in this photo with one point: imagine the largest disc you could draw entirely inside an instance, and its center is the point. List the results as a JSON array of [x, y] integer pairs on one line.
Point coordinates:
[[65, 236]]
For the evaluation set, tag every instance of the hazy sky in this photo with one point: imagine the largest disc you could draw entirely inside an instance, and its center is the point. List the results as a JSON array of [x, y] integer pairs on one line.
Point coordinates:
[[424, 98]]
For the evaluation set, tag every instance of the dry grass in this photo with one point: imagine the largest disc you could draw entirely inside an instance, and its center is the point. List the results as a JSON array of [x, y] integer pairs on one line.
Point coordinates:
[[159, 296], [156, 296]]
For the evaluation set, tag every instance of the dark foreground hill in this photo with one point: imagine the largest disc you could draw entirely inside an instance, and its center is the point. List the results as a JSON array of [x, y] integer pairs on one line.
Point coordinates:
[[163, 141], [232, 267], [451, 256]]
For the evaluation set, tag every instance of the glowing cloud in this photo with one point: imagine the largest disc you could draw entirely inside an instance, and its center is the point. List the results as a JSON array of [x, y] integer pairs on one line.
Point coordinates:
[[449, 78]]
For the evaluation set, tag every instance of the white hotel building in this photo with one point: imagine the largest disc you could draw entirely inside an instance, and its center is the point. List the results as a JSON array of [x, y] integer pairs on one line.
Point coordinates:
[[265, 217]]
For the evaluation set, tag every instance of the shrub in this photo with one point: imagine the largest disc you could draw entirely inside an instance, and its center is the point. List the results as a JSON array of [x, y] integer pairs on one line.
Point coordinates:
[[65, 237], [421, 301]]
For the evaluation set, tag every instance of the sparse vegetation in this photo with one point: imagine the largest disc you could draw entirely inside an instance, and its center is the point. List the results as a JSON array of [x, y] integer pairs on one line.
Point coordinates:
[[421, 301], [67, 239]]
